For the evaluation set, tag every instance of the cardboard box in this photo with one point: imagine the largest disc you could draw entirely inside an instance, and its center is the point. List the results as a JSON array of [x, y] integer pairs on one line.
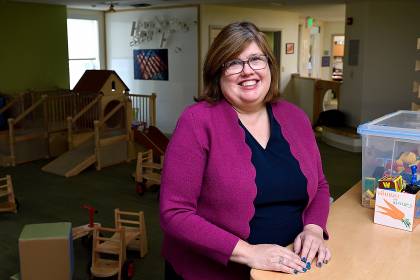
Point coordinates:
[[46, 252], [396, 209]]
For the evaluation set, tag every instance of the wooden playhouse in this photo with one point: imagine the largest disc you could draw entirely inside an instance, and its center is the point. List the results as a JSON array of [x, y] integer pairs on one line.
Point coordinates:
[[86, 126], [100, 133]]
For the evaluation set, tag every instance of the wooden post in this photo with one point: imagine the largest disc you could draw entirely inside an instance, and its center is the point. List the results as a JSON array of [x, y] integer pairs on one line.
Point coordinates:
[[11, 198], [46, 126], [22, 104], [128, 122], [100, 109], [143, 235], [12, 140], [152, 109], [96, 124], [70, 132]]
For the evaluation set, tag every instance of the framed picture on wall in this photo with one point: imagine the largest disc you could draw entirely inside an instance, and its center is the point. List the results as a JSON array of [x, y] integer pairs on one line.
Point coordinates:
[[151, 64], [290, 48]]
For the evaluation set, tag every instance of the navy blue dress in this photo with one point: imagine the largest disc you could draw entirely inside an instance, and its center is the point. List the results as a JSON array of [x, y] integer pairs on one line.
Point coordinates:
[[281, 189]]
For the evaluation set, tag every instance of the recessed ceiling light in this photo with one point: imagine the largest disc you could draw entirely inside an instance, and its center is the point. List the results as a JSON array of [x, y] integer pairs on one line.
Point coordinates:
[[277, 3], [141, 5]]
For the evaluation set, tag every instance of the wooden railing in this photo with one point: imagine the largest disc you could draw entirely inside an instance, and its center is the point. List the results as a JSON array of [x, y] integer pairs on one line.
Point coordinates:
[[83, 120], [58, 108], [101, 141], [143, 108], [14, 106], [10, 104], [55, 111], [13, 138]]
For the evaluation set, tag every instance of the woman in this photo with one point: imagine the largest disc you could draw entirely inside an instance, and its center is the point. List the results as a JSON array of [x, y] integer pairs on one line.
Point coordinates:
[[242, 176]]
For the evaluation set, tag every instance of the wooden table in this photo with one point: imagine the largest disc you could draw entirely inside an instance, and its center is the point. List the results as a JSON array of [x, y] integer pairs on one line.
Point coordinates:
[[361, 249]]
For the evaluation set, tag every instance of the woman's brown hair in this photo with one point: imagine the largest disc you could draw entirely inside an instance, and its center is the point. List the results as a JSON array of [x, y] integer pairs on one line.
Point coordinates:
[[230, 42]]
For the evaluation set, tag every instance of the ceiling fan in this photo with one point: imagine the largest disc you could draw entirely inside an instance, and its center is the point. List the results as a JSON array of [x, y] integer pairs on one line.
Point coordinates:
[[112, 4], [111, 7]]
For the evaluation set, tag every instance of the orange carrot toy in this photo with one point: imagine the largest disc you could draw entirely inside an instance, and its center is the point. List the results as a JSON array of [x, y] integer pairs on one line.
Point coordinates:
[[394, 213]]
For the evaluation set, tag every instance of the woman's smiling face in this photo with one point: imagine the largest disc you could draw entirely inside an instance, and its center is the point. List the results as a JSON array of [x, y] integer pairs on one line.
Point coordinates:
[[247, 89]]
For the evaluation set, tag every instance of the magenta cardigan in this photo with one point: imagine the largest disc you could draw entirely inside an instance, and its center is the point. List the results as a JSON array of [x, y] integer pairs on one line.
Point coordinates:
[[208, 187]]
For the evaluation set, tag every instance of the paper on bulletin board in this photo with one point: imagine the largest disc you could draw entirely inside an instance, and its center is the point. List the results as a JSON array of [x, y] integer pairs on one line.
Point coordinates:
[[395, 209], [325, 61]]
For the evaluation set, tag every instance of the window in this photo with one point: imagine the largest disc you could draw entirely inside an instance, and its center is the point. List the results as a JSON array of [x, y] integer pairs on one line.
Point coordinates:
[[83, 47]]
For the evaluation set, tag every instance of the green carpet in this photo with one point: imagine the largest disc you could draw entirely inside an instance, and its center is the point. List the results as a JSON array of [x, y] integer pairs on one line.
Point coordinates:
[[45, 198], [49, 198]]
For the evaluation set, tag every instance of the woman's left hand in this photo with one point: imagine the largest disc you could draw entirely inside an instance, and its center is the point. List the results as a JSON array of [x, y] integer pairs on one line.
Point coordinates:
[[309, 243]]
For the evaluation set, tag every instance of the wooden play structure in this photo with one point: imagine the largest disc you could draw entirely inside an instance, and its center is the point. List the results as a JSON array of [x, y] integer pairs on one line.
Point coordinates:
[[147, 171], [135, 230], [87, 229], [321, 88], [310, 94], [152, 138], [7, 193], [110, 247], [90, 125], [109, 252]]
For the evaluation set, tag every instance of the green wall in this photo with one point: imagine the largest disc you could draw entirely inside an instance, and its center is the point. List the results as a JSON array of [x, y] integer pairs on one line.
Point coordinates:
[[33, 47]]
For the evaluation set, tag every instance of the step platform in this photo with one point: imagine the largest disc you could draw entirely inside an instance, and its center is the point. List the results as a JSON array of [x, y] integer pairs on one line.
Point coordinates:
[[343, 138]]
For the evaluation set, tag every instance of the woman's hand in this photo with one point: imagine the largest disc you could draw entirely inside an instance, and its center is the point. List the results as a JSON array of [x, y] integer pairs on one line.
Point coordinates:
[[310, 242], [268, 257]]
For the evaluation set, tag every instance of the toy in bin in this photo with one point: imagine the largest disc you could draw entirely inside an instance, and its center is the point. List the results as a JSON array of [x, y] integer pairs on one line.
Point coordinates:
[[391, 183], [368, 196]]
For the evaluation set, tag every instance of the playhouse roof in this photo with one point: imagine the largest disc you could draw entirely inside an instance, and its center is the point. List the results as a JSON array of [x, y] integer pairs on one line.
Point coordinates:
[[94, 80]]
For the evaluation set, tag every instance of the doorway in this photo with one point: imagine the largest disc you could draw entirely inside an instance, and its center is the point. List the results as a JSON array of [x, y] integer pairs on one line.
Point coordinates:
[[337, 57], [274, 41]]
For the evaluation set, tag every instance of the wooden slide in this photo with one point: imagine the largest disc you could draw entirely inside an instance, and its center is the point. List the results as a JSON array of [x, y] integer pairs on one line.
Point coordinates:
[[152, 138], [74, 161]]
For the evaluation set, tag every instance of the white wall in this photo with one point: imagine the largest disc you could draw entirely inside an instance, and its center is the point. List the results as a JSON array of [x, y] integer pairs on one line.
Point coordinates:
[[286, 22], [382, 81], [173, 95]]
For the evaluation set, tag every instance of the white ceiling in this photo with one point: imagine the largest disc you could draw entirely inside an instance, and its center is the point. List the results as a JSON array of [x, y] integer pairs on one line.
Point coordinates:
[[328, 10]]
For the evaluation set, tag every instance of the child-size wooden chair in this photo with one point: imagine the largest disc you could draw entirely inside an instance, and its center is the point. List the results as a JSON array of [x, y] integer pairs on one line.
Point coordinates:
[[108, 253], [6, 190], [147, 172], [135, 229]]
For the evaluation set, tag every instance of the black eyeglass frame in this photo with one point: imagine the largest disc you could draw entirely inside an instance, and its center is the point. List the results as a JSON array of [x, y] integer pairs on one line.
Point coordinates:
[[226, 65]]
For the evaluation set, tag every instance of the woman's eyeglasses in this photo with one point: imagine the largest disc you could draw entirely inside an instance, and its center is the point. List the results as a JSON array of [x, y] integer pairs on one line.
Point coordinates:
[[236, 66]]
